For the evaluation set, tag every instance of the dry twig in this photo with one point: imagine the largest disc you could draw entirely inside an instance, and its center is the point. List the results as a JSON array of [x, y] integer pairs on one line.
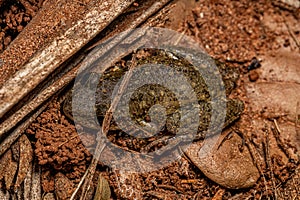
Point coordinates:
[[269, 162], [105, 128], [291, 33], [282, 145]]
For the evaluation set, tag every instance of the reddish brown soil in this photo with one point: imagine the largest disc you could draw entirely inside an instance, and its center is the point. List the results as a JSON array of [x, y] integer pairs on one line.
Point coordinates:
[[58, 145], [14, 16]]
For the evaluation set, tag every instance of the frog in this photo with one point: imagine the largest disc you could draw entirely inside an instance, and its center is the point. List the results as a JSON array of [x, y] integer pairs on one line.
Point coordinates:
[[142, 102]]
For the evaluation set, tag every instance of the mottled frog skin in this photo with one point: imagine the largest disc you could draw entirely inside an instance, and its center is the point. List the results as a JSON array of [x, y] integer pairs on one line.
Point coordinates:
[[148, 95]]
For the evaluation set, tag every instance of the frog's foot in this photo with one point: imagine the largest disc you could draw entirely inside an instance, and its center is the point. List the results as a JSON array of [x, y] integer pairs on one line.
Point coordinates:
[[234, 109], [229, 135], [169, 142], [163, 141]]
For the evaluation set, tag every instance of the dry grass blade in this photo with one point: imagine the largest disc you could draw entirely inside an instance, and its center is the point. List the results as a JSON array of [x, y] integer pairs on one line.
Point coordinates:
[[136, 22], [124, 83], [291, 33], [36, 189], [269, 162], [105, 128], [27, 183], [51, 89], [4, 160], [282, 145]]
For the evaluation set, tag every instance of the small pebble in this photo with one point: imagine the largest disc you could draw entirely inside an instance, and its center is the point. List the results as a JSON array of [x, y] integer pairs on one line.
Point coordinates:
[[253, 76]]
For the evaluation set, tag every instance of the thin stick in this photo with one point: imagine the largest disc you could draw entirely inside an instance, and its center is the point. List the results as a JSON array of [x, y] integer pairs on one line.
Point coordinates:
[[291, 33], [257, 160], [281, 143], [180, 37], [269, 163], [105, 128], [27, 183], [79, 185], [68, 140], [108, 117]]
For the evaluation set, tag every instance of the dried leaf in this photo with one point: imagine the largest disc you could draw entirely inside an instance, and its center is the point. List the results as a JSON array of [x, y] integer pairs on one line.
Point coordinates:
[[103, 190], [26, 155]]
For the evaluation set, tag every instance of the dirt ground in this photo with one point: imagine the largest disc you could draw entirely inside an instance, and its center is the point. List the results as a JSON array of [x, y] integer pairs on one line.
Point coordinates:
[[259, 38]]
